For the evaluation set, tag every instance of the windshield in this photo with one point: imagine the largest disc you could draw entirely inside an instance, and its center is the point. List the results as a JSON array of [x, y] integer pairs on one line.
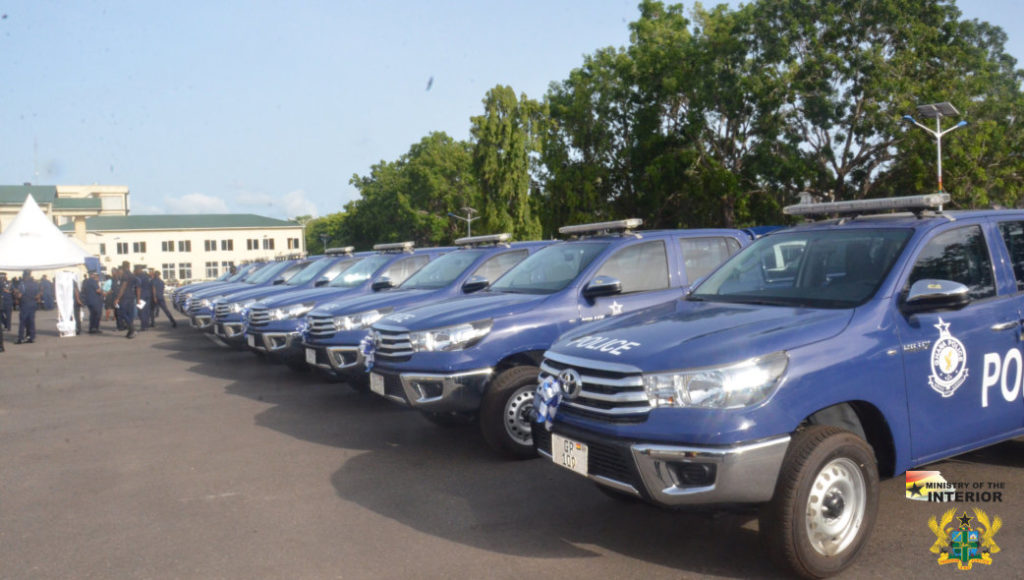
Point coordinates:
[[245, 272], [311, 271], [550, 269], [442, 271], [360, 272], [814, 268], [268, 273]]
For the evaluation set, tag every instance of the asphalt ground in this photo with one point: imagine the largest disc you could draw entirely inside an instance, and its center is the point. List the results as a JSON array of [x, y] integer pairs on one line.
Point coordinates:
[[167, 456]]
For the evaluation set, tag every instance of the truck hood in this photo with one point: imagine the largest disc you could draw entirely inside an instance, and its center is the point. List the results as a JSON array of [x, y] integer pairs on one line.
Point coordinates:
[[256, 293], [383, 299], [464, 309], [683, 334], [318, 295]]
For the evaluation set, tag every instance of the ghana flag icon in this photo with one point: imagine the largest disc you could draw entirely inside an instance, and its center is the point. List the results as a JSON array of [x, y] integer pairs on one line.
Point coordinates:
[[919, 482]]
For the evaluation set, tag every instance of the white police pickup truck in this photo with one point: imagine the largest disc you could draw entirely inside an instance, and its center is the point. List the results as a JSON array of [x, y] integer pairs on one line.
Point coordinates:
[[814, 361]]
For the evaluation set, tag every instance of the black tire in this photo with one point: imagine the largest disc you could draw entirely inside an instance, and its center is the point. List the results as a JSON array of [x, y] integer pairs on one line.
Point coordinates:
[[796, 528], [506, 411], [449, 419]]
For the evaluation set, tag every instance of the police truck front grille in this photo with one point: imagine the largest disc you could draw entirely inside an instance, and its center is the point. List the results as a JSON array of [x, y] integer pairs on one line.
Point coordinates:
[[222, 311], [259, 316], [609, 392], [392, 345], [321, 326]]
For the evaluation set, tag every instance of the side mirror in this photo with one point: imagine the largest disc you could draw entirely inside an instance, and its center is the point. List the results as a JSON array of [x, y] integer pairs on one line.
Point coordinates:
[[475, 284], [928, 294], [382, 283], [602, 286], [320, 282]]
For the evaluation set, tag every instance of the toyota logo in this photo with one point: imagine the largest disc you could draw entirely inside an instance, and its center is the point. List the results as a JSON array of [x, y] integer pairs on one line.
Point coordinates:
[[571, 383]]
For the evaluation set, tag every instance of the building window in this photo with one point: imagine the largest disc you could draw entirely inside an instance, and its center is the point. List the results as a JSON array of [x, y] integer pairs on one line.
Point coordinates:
[[252, 244], [185, 246], [293, 243], [167, 271], [122, 247], [268, 243], [185, 271], [211, 269], [227, 245], [227, 265], [103, 249], [167, 246], [139, 247], [210, 245]]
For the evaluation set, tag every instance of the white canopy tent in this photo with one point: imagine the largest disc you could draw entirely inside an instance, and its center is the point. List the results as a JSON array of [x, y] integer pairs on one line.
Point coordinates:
[[32, 242]]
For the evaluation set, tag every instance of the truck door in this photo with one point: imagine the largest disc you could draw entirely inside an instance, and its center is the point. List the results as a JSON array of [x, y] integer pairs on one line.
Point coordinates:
[[643, 270], [948, 355]]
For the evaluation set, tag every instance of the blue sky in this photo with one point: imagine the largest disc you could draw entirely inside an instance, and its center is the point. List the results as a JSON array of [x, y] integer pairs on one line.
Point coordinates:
[[271, 107]]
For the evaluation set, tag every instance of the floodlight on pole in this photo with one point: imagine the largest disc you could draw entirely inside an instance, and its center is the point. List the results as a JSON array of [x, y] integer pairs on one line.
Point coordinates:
[[323, 240], [468, 219], [937, 111]]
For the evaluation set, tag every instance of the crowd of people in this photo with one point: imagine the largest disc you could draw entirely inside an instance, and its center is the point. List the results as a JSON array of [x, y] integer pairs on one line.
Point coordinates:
[[123, 296]]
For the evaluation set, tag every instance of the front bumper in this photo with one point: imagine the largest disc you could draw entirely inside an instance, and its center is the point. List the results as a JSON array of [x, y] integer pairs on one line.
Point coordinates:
[[679, 475], [340, 359], [434, 393], [276, 343], [201, 321], [231, 332]]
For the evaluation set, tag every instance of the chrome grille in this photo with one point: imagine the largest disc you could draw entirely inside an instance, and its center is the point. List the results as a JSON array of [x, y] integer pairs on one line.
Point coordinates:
[[222, 309], [321, 326], [610, 390], [259, 316], [392, 344]]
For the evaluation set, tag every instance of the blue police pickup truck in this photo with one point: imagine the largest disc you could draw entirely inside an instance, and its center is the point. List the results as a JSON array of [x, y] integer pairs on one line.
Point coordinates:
[[814, 361], [275, 326], [200, 309], [183, 294], [476, 356], [230, 310], [336, 329]]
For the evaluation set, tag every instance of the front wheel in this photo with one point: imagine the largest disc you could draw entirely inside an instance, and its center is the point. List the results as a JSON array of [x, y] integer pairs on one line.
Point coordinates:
[[506, 410], [824, 505]]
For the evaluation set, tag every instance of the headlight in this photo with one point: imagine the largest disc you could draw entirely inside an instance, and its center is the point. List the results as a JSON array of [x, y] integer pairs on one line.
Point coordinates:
[[202, 303], [236, 307], [455, 337], [732, 386], [293, 311], [360, 319]]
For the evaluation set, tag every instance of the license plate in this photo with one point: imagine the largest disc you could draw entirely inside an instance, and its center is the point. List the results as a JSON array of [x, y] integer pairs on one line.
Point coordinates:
[[251, 340], [311, 356], [377, 383], [569, 454]]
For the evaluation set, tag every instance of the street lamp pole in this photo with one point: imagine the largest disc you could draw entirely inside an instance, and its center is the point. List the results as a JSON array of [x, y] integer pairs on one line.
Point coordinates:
[[468, 219], [323, 240], [937, 111]]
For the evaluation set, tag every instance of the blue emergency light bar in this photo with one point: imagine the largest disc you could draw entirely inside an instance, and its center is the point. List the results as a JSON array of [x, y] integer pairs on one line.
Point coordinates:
[[912, 203], [618, 225], [480, 240]]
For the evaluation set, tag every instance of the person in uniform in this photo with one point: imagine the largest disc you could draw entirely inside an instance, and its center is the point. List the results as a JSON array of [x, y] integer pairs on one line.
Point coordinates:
[[113, 286], [30, 294], [146, 293], [6, 302], [127, 299], [159, 302], [92, 296], [49, 295]]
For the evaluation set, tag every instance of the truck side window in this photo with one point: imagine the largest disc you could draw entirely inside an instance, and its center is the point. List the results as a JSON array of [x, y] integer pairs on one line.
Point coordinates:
[[402, 269], [702, 255], [959, 255], [1013, 237], [640, 267], [494, 267]]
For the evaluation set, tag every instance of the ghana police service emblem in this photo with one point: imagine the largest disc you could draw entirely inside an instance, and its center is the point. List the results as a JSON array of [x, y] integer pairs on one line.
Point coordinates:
[[949, 362]]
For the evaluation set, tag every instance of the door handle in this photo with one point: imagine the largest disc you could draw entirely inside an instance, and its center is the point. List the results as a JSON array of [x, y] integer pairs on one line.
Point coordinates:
[[1004, 325]]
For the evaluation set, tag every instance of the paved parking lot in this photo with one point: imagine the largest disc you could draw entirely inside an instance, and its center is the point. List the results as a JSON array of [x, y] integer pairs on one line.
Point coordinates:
[[169, 457]]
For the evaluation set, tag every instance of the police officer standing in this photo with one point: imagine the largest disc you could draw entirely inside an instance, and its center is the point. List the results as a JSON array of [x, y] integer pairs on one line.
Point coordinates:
[[30, 294], [6, 302], [146, 292], [127, 298], [158, 299], [92, 296]]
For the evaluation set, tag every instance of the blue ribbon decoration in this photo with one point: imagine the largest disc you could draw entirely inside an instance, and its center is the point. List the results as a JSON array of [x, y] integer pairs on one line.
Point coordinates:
[[366, 348], [546, 400]]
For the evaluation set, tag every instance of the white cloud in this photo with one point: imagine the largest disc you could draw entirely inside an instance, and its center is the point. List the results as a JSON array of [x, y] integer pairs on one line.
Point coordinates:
[[146, 209], [296, 203], [251, 198], [196, 203]]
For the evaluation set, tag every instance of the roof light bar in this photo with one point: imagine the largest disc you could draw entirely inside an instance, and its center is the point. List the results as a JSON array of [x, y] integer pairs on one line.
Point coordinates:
[[347, 250], [624, 225], [478, 240], [914, 203], [400, 246]]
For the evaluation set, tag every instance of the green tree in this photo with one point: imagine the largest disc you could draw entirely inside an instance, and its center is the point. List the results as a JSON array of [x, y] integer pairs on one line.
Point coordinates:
[[505, 139], [331, 225]]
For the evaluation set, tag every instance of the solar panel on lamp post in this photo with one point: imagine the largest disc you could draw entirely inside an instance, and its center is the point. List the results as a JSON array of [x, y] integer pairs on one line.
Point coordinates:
[[937, 111]]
